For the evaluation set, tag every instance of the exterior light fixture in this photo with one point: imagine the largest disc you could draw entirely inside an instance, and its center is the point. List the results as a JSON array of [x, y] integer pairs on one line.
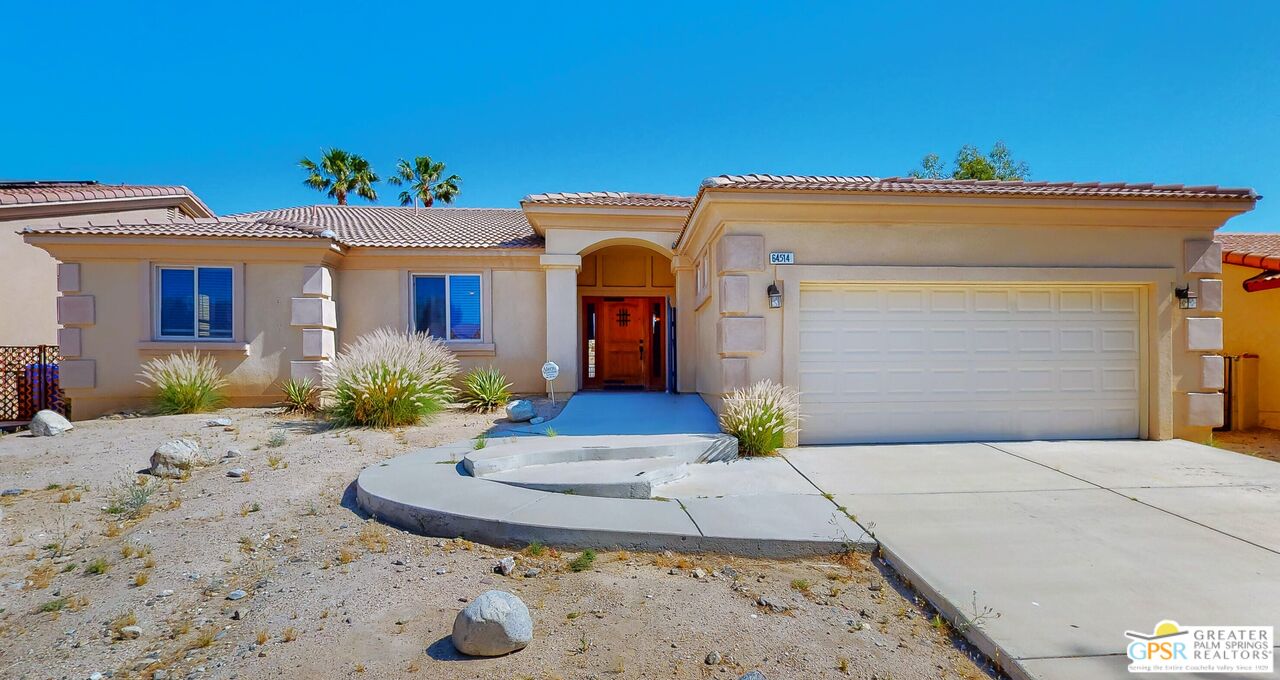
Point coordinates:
[[1186, 297], [775, 296]]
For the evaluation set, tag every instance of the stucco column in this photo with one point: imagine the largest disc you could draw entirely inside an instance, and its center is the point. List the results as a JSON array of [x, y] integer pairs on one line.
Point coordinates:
[[562, 317], [686, 326]]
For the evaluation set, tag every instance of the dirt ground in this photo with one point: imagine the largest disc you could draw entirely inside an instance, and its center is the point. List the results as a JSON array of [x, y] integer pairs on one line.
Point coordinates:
[[1258, 442], [329, 594]]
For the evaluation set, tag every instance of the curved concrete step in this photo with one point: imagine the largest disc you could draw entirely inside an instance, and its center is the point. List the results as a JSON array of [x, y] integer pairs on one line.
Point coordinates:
[[525, 451], [626, 478]]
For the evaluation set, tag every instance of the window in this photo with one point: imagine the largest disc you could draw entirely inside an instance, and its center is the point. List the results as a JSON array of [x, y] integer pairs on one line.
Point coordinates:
[[193, 303], [447, 306]]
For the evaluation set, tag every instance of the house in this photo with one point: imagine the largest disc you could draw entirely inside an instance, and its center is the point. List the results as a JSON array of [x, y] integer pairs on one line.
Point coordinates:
[[1250, 279], [902, 309], [28, 289]]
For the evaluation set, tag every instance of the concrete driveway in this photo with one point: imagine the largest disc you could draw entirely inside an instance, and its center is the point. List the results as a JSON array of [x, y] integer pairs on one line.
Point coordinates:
[[1072, 543]]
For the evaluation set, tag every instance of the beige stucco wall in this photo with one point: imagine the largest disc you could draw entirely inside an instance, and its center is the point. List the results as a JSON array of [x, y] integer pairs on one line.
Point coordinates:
[[834, 244], [373, 291], [1250, 327], [28, 276]]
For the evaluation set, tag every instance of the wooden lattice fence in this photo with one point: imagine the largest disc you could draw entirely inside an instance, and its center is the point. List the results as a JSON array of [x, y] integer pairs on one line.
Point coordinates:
[[29, 382]]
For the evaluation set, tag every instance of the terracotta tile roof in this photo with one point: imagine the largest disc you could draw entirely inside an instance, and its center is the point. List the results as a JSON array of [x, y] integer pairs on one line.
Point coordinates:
[[1261, 251], [33, 192], [379, 226], [914, 185], [200, 228], [614, 198]]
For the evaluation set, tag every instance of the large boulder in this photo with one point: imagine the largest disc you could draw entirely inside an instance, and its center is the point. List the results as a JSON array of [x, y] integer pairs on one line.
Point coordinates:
[[48, 423], [520, 410], [175, 458], [494, 624]]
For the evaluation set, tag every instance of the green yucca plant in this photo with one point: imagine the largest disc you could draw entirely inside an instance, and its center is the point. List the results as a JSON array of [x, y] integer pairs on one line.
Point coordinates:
[[300, 395], [761, 417], [485, 389], [388, 378], [184, 383]]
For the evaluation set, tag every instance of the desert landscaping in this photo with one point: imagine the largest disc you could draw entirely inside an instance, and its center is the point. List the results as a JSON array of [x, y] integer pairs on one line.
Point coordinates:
[[106, 571]]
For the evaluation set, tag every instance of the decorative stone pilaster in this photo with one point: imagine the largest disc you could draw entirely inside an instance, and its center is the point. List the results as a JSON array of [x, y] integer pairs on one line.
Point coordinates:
[[1203, 333], [562, 316], [75, 313], [317, 316]]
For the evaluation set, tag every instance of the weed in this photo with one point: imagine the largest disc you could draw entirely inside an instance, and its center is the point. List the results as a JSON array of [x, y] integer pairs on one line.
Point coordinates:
[[583, 647], [978, 616], [842, 664], [130, 497], [583, 561], [52, 486], [551, 431], [801, 585], [277, 439], [141, 578], [150, 562], [97, 566], [54, 605], [126, 550], [534, 549], [40, 577], [246, 544], [480, 442], [262, 637], [205, 637], [288, 634], [69, 496], [347, 555], [359, 668], [119, 623], [373, 536], [277, 462]]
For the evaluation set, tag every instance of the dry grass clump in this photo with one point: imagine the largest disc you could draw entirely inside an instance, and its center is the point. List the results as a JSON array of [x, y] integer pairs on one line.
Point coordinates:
[[761, 416], [119, 623], [390, 379], [373, 537], [41, 577], [184, 382]]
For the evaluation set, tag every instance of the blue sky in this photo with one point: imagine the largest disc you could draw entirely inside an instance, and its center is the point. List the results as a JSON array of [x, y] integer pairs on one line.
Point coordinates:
[[226, 97]]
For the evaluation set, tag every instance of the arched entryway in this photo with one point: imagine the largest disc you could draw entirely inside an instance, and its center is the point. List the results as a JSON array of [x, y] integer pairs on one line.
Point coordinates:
[[625, 293]]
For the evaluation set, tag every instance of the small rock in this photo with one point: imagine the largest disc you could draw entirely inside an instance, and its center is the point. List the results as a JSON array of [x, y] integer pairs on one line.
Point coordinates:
[[48, 423], [131, 632], [699, 573], [753, 675], [217, 422], [714, 659], [96, 676], [532, 572], [520, 410], [537, 421], [673, 571], [165, 593], [875, 586], [729, 571], [496, 623], [441, 571], [11, 492], [236, 595], [239, 614], [773, 605], [160, 675], [233, 453], [236, 472], [505, 566]]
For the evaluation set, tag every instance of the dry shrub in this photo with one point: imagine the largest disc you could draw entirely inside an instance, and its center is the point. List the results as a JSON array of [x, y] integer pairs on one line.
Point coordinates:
[[184, 382], [390, 379], [373, 537], [761, 416]]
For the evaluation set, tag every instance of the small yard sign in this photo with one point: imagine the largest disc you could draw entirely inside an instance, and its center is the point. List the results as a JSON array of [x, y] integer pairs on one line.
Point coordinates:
[[782, 258], [550, 371]]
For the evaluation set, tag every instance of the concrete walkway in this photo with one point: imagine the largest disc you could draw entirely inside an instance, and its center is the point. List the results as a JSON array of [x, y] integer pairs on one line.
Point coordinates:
[[590, 413], [1072, 543]]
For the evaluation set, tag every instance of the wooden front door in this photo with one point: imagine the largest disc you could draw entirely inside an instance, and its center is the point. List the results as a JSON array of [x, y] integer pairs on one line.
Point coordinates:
[[620, 343]]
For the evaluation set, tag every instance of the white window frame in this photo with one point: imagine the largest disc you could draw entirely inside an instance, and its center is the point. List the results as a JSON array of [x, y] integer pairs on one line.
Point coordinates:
[[448, 310], [195, 269]]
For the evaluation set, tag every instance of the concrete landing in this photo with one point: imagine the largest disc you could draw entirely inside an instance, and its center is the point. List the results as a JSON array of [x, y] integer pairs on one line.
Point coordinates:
[[628, 413]]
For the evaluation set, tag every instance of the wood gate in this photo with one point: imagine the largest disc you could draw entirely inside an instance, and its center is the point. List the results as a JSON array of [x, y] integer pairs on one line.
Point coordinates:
[[29, 383]]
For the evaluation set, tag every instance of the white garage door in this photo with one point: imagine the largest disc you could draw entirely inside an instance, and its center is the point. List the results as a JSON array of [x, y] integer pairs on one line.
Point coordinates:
[[920, 363]]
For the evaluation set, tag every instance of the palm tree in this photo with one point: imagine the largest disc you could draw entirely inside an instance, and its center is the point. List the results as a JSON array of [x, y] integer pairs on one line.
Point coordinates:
[[423, 176], [340, 173]]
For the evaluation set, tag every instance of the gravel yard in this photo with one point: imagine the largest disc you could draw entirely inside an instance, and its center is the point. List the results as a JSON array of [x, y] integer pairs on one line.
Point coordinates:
[[322, 592]]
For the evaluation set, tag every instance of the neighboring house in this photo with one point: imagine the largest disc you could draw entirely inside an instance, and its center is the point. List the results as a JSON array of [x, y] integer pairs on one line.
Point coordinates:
[[902, 309], [28, 288], [1251, 297]]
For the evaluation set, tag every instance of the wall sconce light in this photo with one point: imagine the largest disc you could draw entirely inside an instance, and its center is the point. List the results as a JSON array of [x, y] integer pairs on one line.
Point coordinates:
[[775, 296], [1186, 297]]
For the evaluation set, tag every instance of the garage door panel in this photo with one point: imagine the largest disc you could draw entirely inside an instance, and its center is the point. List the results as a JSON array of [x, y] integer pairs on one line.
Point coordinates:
[[946, 363]]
